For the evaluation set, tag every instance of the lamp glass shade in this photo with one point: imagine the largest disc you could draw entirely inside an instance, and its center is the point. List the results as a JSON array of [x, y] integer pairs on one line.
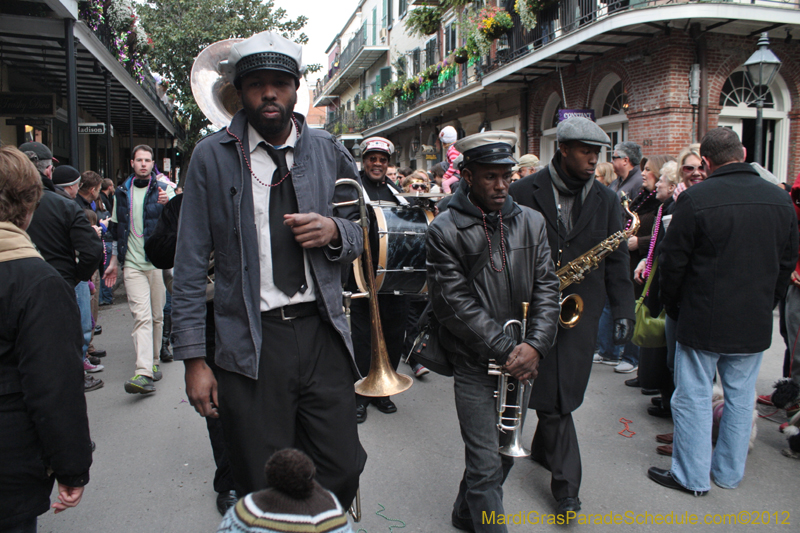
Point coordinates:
[[762, 65]]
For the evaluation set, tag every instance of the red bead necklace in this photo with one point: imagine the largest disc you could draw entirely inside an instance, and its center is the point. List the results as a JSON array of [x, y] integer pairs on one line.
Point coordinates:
[[247, 161], [489, 239]]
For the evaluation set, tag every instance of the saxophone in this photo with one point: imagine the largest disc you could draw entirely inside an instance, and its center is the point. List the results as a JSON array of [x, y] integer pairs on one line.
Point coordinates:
[[577, 269]]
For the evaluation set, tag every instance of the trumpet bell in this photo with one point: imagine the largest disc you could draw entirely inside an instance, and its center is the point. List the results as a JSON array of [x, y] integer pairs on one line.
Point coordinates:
[[570, 313]]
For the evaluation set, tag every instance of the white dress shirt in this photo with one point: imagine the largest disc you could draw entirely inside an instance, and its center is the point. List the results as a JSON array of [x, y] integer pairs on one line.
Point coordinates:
[[263, 167]]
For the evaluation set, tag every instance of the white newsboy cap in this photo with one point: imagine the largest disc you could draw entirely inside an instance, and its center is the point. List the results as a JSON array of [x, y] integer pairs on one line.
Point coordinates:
[[265, 51], [377, 144], [488, 148]]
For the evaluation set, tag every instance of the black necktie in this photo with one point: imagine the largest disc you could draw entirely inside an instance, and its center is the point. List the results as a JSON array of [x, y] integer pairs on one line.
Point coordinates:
[[288, 273]]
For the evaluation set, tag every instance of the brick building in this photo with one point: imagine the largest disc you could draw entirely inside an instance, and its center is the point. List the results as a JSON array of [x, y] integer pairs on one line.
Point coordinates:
[[630, 62]]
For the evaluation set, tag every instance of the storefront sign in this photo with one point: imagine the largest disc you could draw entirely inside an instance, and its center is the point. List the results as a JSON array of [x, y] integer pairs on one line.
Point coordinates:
[[27, 105], [92, 128], [564, 114]]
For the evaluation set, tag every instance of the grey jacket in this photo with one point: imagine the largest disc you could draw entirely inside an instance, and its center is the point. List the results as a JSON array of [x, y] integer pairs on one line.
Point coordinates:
[[630, 185], [218, 214]]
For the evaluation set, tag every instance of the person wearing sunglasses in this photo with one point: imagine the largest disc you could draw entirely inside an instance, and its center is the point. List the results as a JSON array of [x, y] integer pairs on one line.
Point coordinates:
[[626, 158], [690, 168], [376, 152]]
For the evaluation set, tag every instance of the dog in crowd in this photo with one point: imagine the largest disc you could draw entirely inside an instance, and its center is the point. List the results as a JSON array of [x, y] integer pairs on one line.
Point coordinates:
[[718, 409], [787, 397]]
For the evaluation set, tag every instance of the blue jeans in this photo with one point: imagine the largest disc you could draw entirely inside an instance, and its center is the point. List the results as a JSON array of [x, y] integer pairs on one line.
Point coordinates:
[[481, 488], [168, 305], [631, 354], [692, 456], [605, 335], [85, 307], [106, 293]]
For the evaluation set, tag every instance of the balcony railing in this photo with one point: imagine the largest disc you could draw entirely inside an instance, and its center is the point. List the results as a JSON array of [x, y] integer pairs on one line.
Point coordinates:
[[560, 19], [367, 35], [567, 16], [146, 82]]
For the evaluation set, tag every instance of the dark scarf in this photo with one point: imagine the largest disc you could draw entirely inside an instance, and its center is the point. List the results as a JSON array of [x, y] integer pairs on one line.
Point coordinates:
[[461, 202], [569, 185], [645, 202]]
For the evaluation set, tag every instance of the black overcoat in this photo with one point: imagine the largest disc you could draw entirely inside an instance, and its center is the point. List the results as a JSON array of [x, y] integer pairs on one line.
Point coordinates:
[[564, 373]]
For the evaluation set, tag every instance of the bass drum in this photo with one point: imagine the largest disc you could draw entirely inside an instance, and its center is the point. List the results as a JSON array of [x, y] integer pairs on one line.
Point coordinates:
[[401, 250]]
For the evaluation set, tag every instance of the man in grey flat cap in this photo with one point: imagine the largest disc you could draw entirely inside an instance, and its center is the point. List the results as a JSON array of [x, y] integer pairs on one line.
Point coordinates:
[[259, 194], [487, 255], [579, 215]]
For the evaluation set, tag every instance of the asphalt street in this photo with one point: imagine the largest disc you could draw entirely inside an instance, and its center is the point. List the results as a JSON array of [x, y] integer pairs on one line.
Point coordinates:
[[153, 467]]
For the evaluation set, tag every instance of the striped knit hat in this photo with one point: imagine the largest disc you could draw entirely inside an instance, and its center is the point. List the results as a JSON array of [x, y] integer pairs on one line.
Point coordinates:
[[294, 503]]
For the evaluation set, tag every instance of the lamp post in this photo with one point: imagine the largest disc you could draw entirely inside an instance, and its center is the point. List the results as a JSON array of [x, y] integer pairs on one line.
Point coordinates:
[[761, 68]]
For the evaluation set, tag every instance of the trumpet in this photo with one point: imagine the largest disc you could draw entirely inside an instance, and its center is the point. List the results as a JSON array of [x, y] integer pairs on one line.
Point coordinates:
[[512, 397], [576, 270]]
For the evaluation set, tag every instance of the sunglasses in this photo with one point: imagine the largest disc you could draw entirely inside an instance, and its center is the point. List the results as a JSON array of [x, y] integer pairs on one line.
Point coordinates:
[[418, 186], [689, 169]]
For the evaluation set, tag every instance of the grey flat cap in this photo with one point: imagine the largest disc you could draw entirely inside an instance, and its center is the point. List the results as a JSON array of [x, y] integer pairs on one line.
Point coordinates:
[[583, 130], [489, 148], [264, 51], [377, 144]]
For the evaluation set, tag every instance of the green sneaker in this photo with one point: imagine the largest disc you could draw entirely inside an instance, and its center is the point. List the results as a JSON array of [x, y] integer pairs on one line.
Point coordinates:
[[157, 375], [139, 385]]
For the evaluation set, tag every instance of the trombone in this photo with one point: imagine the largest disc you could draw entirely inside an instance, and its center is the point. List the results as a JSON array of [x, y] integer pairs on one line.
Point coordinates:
[[382, 379]]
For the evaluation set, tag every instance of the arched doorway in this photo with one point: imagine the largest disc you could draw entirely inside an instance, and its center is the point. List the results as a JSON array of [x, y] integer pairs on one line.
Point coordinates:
[[738, 102]]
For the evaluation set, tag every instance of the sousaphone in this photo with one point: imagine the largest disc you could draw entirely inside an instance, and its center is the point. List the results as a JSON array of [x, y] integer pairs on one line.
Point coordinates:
[[213, 90]]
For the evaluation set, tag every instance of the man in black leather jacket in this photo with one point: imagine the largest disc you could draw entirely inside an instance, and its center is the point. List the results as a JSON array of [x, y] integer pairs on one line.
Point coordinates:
[[485, 257]]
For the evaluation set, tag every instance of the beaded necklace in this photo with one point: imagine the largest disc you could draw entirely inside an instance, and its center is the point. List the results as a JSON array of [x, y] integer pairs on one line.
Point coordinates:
[[649, 263], [489, 239], [247, 162], [130, 211]]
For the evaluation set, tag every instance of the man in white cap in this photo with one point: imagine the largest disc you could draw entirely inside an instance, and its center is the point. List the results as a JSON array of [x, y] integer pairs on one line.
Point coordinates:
[[259, 194], [486, 255], [375, 154], [527, 165], [579, 215]]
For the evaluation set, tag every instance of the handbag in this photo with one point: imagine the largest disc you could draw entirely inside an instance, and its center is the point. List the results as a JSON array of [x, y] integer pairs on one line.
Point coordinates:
[[427, 349], [649, 330]]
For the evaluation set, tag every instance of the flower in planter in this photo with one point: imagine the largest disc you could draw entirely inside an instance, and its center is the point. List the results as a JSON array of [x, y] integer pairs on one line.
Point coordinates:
[[493, 22], [529, 10]]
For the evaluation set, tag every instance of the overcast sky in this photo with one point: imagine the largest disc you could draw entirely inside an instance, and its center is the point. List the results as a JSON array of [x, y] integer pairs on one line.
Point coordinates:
[[325, 20]]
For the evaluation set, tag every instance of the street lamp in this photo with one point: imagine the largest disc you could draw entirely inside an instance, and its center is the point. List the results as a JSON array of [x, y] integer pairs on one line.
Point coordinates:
[[761, 68]]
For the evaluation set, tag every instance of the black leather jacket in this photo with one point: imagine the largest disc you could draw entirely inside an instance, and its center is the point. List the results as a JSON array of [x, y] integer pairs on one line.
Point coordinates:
[[472, 314]]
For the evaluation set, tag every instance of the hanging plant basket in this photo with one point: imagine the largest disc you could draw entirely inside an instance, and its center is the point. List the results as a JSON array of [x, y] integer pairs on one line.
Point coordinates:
[[494, 22], [424, 21], [461, 55]]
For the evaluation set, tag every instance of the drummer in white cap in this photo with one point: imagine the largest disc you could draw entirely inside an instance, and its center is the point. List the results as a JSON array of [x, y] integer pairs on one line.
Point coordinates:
[[259, 194], [375, 155]]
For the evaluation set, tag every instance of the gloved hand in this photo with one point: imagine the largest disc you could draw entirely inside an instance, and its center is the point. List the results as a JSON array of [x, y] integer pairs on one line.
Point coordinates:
[[623, 330]]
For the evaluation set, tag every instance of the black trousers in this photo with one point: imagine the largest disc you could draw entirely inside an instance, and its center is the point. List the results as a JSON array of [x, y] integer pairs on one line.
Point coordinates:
[[223, 477], [303, 398], [555, 446], [393, 311]]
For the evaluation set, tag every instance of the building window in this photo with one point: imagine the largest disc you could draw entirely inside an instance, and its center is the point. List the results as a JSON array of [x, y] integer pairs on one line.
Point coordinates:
[[616, 102], [738, 92], [450, 38], [430, 52], [402, 7], [415, 61]]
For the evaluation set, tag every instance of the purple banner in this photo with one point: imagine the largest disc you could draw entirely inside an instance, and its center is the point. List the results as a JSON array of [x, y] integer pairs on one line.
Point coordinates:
[[564, 114]]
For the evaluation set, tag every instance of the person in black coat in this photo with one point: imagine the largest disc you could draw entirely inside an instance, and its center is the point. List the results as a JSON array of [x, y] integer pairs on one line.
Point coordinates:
[[44, 428], [724, 265], [584, 215]]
